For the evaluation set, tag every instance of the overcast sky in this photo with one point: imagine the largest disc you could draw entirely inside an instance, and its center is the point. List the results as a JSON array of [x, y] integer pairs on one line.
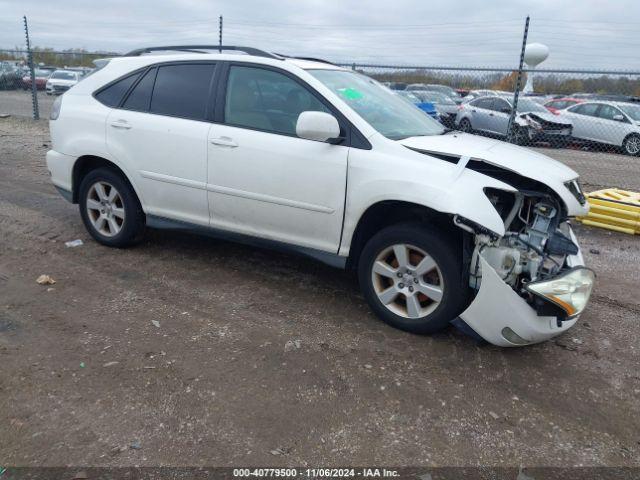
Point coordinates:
[[580, 33]]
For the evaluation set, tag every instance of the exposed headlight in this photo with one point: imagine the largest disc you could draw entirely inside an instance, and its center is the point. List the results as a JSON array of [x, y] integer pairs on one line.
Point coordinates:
[[533, 124], [55, 108], [570, 291]]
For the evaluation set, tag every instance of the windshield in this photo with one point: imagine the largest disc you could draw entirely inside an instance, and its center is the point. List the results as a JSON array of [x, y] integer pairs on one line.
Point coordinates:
[[408, 95], [389, 114], [526, 105], [64, 75], [632, 110], [444, 89], [435, 97]]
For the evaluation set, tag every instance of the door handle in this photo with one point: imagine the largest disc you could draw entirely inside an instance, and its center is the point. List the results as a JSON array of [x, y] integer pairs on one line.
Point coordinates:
[[224, 142], [121, 124], [473, 111], [491, 115]]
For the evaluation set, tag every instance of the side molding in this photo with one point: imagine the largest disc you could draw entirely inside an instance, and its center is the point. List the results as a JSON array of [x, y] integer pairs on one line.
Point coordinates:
[[331, 259]]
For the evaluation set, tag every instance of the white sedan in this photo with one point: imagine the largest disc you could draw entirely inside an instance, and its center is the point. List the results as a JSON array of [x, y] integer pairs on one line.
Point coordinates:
[[612, 123]]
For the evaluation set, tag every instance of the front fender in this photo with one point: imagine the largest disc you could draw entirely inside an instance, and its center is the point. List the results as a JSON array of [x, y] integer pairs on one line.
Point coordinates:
[[431, 183]]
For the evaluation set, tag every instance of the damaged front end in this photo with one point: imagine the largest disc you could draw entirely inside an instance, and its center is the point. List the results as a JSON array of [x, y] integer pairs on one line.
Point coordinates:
[[530, 283]]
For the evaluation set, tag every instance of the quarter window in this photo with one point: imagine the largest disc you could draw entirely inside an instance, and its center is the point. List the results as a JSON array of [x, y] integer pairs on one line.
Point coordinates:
[[140, 96], [266, 100], [182, 90], [112, 95]]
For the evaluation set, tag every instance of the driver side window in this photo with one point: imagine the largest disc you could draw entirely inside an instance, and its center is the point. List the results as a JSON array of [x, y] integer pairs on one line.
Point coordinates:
[[262, 99]]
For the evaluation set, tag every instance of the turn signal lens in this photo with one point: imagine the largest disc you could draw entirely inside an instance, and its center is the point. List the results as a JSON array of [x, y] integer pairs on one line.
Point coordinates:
[[569, 291]]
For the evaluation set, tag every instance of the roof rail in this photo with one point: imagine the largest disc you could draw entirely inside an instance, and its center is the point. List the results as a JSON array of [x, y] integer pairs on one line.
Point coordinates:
[[199, 49], [310, 59]]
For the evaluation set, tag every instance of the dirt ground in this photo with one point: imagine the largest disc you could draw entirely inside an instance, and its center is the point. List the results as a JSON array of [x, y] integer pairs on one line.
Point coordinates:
[[191, 351]]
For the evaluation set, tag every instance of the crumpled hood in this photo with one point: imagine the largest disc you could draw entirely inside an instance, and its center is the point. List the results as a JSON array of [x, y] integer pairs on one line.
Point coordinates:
[[548, 117], [521, 160]]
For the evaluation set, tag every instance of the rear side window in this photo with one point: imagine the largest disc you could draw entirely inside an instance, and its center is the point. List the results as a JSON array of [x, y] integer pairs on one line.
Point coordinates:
[[112, 95], [140, 97], [586, 109], [483, 103], [182, 90]]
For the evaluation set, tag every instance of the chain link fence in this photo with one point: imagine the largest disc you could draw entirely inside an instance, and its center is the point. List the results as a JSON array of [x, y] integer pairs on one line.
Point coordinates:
[[591, 110], [54, 72]]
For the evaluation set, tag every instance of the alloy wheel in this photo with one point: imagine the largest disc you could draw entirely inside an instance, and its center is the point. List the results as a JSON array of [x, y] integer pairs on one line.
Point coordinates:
[[407, 281], [105, 209], [632, 145]]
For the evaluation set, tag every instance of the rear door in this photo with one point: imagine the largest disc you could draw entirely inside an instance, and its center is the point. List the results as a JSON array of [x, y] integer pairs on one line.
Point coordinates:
[[480, 110], [263, 179], [500, 116], [159, 131]]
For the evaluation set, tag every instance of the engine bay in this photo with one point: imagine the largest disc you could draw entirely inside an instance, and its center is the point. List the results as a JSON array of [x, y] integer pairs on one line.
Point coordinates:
[[536, 243]]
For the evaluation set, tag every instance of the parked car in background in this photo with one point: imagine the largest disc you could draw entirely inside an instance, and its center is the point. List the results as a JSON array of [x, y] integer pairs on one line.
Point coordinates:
[[427, 107], [533, 122], [445, 89], [395, 85], [445, 106], [10, 77], [609, 123], [557, 104], [62, 80], [480, 93], [41, 75]]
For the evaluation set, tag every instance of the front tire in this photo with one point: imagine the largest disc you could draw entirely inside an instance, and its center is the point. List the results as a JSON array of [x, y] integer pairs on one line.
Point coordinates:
[[412, 278], [631, 145], [110, 209]]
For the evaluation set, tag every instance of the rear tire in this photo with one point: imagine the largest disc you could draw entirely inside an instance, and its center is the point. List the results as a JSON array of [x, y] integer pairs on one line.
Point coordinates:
[[412, 278], [631, 145], [110, 209], [465, 126]]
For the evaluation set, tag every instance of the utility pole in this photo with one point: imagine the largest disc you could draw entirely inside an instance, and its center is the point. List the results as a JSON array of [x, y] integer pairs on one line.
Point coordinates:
[[220, 34], [34, 87], [518, 82]]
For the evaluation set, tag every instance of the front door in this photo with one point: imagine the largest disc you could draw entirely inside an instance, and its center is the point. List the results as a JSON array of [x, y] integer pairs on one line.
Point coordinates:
[[265, 181]]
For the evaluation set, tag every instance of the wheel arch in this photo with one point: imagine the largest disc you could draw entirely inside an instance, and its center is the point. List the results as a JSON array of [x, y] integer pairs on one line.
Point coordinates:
[[386, 213], [87, 163]]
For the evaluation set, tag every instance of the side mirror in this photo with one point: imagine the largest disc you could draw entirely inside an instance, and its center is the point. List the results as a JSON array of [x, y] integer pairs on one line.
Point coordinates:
[[505, 110], [318, 126], [618, 118]]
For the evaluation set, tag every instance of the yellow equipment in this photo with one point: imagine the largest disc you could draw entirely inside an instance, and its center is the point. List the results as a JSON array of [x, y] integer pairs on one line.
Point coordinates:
[[614, 209]]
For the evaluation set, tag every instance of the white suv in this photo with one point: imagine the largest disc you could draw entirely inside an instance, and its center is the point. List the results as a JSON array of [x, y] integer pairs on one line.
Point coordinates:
[[304, 155]]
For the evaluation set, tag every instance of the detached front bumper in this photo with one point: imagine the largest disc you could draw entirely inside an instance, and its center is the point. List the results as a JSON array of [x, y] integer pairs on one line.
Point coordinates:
[[498, 311]]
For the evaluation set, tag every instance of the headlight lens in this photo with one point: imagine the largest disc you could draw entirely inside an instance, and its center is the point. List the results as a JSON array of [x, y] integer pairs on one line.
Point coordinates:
[[569, 291], [55, 108]]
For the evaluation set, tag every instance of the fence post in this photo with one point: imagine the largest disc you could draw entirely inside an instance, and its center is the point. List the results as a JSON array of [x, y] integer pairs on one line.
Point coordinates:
[[32, 72], [220, 34], [516, 94]]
